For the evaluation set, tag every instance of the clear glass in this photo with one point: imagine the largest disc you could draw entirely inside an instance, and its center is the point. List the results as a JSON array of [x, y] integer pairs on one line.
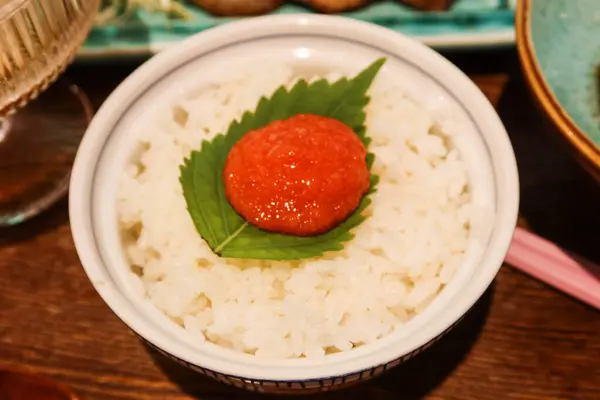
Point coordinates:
[[38, 39]]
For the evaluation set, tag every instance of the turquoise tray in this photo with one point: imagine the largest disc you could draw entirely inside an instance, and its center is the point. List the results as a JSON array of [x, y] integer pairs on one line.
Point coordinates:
[[470, 23]]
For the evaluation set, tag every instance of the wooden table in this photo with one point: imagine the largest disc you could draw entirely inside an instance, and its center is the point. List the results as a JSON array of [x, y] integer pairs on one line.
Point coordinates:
[[523, 341]]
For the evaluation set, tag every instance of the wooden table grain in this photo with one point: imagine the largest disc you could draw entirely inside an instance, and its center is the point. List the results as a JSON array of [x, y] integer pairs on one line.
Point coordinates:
[[523, 341]]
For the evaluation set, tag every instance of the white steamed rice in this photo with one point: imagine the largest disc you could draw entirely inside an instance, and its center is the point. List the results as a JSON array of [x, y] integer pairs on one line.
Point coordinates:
[[404, 253]]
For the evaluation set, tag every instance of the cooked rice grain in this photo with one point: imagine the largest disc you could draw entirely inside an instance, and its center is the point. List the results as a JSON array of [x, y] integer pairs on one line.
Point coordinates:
[[403, 254]]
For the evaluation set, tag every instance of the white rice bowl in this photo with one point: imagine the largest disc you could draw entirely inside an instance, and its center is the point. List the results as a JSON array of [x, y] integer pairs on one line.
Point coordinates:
[[418, 229]]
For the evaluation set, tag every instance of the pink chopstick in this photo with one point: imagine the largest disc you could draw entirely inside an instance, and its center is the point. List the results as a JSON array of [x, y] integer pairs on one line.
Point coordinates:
[[550, 264]]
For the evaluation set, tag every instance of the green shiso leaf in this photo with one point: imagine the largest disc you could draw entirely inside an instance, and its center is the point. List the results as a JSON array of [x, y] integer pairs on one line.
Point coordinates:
[[225, 231]]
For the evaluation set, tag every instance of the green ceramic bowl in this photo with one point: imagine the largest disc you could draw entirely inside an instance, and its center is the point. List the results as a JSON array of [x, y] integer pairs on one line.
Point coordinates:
[[559, 47]]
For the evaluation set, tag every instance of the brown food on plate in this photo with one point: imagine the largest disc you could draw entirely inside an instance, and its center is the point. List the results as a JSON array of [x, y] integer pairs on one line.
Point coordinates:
[[428, 5], [335, 6], [238, 8]]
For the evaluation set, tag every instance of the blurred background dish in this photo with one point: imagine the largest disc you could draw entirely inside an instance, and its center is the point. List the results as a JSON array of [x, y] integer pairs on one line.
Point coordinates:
[[23, 385], [559, 47], [142, 27]]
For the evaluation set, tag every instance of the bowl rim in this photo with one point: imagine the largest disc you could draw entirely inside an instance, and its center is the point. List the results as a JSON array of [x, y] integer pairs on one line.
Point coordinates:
[[87, 159], [542, 91]]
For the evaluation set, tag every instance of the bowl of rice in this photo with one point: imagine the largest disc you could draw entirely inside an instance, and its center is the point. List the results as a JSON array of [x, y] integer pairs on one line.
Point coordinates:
[[425, 248]]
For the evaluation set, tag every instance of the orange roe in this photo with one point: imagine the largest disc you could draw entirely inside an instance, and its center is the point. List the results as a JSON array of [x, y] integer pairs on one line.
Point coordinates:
[[301, 176]]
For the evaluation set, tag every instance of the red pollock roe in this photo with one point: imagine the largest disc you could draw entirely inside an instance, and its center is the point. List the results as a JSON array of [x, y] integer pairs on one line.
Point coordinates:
[[301, 176]]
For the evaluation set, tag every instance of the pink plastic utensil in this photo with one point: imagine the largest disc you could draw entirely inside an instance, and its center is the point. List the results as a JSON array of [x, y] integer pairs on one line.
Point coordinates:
[[550, 264]]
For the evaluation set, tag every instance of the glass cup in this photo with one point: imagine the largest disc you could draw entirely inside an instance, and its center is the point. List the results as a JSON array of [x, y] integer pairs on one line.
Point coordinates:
[[38, 39]]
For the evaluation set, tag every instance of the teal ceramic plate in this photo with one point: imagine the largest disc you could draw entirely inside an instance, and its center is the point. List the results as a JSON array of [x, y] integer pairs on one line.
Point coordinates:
[[469, 23], [559, 44]]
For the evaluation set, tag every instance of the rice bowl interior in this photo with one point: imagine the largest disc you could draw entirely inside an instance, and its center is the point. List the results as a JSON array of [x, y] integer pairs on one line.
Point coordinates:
[[406, 103]]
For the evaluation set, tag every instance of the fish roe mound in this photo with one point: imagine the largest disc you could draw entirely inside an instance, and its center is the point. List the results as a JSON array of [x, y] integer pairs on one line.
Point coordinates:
[[301, 176]]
